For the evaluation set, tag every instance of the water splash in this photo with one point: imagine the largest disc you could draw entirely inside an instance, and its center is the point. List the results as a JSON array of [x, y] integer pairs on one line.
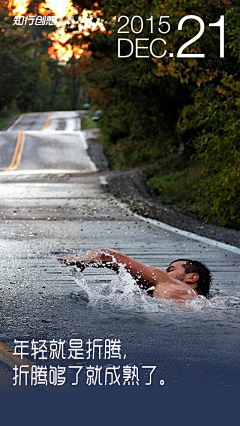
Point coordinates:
[[123, 294], [120, 293], [219, 301]]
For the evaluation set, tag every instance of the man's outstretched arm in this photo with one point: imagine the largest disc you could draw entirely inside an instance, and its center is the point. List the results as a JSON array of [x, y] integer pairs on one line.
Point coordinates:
[[145, 276]]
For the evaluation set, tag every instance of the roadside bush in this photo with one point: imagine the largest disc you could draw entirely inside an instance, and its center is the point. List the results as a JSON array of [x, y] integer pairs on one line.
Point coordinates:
[[146, 103]]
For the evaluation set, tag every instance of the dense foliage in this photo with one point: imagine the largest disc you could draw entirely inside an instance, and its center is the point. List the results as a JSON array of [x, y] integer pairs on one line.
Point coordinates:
[[155, 109], [30, 79], [177, 116]]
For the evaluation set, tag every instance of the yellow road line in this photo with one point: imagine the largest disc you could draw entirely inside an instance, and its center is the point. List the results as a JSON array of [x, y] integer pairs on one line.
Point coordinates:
[[20, 152], [7, 357], [17, 155], [47, 122]]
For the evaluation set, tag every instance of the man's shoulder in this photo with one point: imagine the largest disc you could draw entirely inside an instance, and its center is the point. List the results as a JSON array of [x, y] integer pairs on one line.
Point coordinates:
[[174, 289]]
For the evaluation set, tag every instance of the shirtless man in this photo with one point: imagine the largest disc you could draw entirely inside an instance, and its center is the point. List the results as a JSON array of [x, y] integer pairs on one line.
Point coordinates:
[[183, 279]]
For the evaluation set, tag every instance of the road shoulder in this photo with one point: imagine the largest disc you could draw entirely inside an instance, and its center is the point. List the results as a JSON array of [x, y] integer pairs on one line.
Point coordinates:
[[129, 186]]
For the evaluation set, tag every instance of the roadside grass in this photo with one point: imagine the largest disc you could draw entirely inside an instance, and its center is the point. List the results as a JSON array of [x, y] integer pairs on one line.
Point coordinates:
[[8, 114], [88, 123], [173, 178], [176, 186], [3, 122]]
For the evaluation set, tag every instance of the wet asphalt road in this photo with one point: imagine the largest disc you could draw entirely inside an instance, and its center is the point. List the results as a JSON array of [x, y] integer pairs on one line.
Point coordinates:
[[54, 203]]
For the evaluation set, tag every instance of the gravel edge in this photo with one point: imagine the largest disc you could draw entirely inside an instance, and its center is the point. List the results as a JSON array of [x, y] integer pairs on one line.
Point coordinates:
[[129, 186]]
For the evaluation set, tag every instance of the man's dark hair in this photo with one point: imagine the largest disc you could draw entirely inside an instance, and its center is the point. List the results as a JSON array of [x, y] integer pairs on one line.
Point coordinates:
[[204, 281]]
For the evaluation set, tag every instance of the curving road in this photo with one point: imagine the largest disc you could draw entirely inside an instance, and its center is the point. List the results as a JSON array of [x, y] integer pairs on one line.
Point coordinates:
[[46, 142]]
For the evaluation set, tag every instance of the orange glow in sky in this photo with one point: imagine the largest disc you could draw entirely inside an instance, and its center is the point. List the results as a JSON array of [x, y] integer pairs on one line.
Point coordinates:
[[60, 48], [66, 52], [60, 8], [18, 7]]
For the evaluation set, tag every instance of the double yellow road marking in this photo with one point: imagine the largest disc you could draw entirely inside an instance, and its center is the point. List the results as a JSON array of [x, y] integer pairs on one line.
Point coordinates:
[[17, 155], [47, 122]]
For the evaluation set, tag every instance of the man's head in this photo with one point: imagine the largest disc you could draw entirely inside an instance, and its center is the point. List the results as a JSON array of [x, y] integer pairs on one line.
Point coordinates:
[[191, 272]]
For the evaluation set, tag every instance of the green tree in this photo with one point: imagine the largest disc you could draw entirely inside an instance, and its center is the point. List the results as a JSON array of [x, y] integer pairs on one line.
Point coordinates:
[[29, 77], [215, 113], [146, 102]]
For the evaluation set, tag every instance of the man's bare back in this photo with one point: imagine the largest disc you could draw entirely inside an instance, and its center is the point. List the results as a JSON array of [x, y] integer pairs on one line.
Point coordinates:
[[174, 283]]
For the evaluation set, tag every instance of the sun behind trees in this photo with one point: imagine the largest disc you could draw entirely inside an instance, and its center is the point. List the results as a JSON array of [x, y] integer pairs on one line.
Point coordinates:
[[176, 116], [39, 70]]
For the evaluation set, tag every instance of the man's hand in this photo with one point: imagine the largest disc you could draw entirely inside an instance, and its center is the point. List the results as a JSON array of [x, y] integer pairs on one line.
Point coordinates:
[[145, 276], [71, 260]]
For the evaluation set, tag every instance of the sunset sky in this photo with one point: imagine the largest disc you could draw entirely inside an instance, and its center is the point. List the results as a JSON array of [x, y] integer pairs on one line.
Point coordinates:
[[60, 49], [59, 8]]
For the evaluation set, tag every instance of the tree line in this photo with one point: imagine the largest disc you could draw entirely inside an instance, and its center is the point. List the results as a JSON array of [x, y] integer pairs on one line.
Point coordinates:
[[31, 80], [178, 117]]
